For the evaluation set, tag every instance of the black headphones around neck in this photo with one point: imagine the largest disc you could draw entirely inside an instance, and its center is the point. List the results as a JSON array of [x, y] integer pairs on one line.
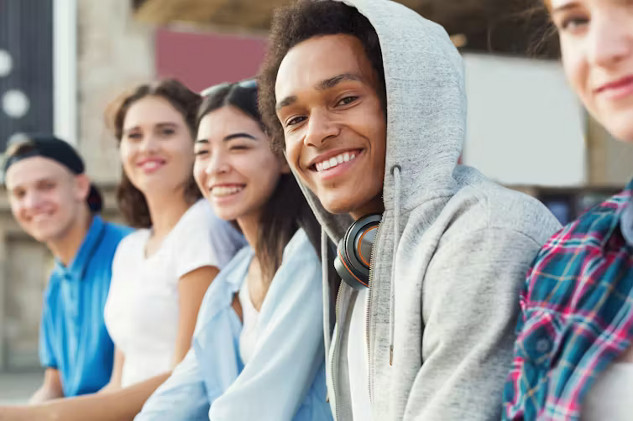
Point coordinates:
[[354, 251]]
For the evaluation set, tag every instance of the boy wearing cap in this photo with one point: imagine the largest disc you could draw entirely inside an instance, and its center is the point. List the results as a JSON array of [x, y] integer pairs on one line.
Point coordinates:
[[53, 200]]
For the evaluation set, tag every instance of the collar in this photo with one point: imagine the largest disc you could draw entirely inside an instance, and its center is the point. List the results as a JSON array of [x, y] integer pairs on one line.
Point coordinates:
[[77, 268], [626, 219]]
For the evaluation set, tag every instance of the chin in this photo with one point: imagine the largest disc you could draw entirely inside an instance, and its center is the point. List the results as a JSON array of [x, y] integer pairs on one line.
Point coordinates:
[[43, 237], [624, 133], [225, 214], [338, 206]]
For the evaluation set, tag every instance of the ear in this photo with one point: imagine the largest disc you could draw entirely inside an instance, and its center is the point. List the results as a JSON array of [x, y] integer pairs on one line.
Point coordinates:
[[82, 187]]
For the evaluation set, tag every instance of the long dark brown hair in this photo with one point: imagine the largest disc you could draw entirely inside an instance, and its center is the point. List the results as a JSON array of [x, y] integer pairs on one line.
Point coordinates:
[[287, 209], [131, 200]]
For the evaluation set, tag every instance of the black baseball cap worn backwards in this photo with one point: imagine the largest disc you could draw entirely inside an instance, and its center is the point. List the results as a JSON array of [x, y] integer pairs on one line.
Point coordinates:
[[51, 147]]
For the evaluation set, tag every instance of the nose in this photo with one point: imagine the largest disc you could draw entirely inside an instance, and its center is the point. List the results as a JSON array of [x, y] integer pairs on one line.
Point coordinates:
[[149, 144], [218, 164], [611, 40], [320, 128]]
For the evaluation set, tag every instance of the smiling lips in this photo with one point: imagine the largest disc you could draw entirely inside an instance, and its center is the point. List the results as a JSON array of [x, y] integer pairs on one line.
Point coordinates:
[[334, 161], [618, 89], [226, 190], [151, 165]]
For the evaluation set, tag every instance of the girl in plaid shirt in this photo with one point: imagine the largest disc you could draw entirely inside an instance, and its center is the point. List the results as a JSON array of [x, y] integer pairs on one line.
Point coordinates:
[[573, 358]]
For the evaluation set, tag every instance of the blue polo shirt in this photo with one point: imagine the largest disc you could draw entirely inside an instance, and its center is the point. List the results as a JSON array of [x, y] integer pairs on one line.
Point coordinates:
[[73, 336]]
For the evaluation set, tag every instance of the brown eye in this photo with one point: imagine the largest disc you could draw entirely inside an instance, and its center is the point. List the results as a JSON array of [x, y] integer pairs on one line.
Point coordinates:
[[295, 120], [347, 100]]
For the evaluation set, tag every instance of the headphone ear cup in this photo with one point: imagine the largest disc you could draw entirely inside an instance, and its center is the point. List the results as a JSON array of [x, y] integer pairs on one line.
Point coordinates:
[[348, 273]]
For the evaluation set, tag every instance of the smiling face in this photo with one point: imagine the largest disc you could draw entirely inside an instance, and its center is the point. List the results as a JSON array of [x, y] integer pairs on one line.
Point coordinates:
[[596, 38], [333, 121], [156, 147], [46, 199], [235, 168]]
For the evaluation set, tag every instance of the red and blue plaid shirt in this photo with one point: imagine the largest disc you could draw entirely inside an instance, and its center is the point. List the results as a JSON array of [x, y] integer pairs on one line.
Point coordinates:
[[576, 314]]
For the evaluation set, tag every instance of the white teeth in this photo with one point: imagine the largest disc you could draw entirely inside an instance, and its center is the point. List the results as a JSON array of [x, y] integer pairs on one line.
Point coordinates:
[[150, 165], [221, 191], [334, 161]]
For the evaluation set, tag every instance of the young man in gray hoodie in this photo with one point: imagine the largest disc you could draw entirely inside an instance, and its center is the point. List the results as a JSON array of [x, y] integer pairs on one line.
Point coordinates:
[[366, 98]]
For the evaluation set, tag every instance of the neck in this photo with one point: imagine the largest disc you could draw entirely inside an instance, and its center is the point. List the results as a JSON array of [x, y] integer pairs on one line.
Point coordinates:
[[165, 212], [249, 226], [373, 206], [66, 248]]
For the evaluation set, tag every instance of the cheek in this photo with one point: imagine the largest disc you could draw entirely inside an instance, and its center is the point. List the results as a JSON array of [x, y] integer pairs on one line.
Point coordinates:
[[293, 153], [199, 174], [125, 155], [575, 68], [17, 210]]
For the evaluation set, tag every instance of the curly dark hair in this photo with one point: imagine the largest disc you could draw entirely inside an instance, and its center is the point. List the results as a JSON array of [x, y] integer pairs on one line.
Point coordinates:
[[131, 200], [299, 22]]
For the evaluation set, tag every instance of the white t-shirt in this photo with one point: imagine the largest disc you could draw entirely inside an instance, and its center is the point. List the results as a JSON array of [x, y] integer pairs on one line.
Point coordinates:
[[250, 331], [357, 355], [141, 312], [610, 396]]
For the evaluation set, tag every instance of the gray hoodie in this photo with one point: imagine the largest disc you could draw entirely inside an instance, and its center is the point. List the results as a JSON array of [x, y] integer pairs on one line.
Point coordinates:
[[451, 252]]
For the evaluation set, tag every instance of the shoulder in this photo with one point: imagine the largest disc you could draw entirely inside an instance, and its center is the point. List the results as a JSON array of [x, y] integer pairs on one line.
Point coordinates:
[[480, 204], [114, 233], [299, 247], [199, 222], [588, 231], [129, 244], [582, 250], [199, 214]]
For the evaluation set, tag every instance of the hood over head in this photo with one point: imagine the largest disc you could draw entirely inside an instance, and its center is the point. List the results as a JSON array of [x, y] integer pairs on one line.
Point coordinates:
[[426, 109]]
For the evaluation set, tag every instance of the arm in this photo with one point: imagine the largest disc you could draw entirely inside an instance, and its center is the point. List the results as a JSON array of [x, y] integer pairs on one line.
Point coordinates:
[[119, 405], [289, 351], [191, 289], [117, 373], [51, 388], [470, 308], [182, 397]]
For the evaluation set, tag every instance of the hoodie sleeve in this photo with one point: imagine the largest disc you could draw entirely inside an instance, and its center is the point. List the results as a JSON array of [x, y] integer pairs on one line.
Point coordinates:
[[289, 351], [470, 306]]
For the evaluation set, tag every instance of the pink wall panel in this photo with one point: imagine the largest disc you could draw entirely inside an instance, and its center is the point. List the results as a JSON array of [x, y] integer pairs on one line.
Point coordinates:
[[203, 59]]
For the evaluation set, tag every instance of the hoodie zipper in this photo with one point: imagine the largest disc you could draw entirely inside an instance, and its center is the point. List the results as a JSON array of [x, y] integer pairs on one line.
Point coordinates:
[[367, 315]]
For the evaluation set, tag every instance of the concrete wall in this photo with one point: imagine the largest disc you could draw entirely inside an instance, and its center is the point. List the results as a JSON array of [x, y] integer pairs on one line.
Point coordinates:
[[114, 53]]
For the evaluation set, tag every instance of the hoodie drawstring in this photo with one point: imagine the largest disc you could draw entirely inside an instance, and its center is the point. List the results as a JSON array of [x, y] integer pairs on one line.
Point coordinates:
[[326, 292], [395, 171]]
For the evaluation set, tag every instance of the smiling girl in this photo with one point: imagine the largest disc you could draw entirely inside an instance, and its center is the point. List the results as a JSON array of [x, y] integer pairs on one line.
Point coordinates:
[[160, 272], [574, 357], [258, 347]]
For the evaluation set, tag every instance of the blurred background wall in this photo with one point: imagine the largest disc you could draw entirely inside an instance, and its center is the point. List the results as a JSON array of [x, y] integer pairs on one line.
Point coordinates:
[[63, 61]]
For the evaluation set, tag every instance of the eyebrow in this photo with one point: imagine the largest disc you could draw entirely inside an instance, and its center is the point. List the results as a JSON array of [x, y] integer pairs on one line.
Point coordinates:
[[229, 137], [564, 7], [160, 125], [237, 135], [320, 86]]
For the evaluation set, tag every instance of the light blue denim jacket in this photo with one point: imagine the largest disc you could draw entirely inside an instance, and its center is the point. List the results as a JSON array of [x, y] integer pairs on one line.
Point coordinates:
[[285, 379]]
